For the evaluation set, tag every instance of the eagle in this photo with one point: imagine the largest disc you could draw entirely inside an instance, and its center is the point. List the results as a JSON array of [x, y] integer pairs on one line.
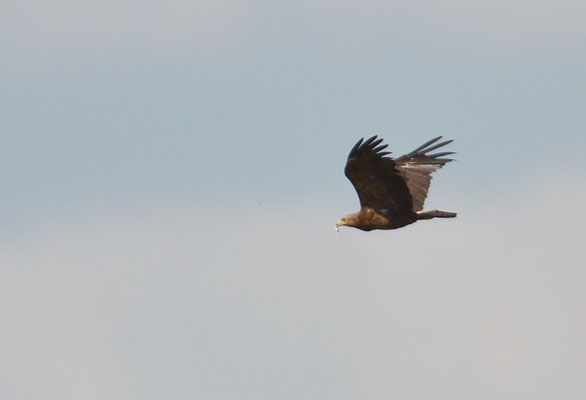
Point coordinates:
[[392, 191]]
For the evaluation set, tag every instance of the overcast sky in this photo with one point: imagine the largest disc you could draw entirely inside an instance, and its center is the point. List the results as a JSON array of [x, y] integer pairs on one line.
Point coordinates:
[[172, 173]]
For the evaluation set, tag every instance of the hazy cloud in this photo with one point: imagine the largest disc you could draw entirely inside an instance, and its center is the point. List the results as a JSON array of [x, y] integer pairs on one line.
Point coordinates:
[[90, 29], [267, 302]]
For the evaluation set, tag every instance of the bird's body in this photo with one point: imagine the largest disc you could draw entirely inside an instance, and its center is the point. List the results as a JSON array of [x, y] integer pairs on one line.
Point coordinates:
[[392, 191]]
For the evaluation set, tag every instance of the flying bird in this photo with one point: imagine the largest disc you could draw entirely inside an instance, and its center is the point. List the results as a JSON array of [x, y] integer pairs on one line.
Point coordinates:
[[392, 191]]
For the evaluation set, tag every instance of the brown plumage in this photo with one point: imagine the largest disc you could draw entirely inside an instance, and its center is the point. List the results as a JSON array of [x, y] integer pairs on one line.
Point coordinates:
[[392, 191]]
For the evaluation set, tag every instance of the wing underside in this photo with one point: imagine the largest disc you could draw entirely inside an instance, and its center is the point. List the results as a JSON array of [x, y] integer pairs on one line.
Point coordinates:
[[417, 167]]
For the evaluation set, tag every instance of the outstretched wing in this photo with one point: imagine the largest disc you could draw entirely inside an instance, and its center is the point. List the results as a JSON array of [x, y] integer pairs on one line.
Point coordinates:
[[417, 167], [376, 178]]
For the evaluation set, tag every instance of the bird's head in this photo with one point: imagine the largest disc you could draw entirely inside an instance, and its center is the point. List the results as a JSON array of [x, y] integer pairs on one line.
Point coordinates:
[[348, 220]]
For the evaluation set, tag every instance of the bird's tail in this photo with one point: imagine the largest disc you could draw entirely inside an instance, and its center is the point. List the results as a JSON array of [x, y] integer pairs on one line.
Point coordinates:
[[435, 214]]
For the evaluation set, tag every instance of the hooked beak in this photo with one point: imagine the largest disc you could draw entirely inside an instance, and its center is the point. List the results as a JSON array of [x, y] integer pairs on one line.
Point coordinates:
[[338, 224]]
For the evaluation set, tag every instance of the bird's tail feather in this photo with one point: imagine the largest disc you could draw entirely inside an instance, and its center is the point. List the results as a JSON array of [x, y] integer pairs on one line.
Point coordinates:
[[435, 214]]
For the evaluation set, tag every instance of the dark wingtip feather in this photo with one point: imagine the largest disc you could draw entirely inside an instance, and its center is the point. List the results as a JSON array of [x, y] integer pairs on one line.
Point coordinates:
[[437, 155], [375, 143], [430, 145], [369, 141], [436, 146], [380, 148], [424, 145], [356, 146], [370, 147]]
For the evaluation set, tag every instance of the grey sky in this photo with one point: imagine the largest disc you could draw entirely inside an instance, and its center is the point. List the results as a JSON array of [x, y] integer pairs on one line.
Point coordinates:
[[172, 173]]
